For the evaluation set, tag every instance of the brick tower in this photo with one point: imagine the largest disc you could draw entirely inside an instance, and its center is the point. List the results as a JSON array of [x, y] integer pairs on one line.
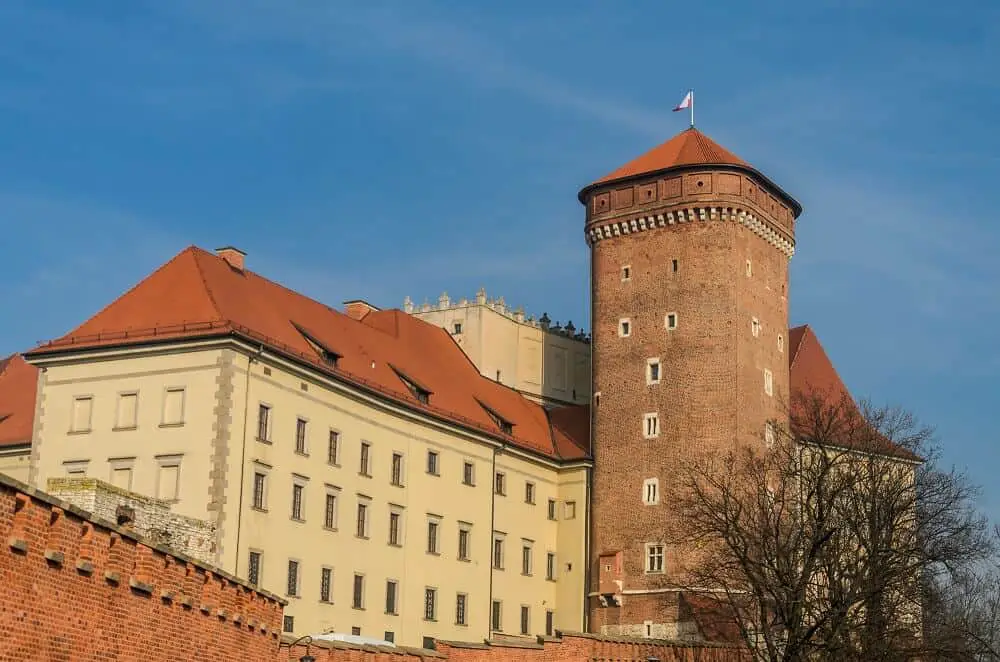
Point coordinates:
[[689, 275]]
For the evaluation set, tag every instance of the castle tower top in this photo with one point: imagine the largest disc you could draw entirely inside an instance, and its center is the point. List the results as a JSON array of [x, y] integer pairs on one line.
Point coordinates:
[[689, 148]]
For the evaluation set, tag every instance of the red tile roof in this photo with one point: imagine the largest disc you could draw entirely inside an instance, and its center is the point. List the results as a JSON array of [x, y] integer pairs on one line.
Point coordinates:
[[18, 381], [197, 294], [812, 375], [690, 147]]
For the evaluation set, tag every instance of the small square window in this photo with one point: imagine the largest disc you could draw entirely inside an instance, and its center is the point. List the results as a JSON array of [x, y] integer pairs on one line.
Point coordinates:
[[432, 463], [651, 491], [333, 448], [652, 371], [651, 425], [457, 328], [288, 624], [626, 273], [396, 470], [300, 435], [498, 552], [624, 327], [366, 453], [468, 473], [768, 382], [529, 492], [670, 321], [358, 594], [569, 511], [355, 630], [500, 487], [654, 558], [173, 406]]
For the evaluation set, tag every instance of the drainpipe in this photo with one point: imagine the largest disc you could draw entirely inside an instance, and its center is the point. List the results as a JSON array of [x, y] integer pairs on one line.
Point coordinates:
[[243, 460], [493, 504]]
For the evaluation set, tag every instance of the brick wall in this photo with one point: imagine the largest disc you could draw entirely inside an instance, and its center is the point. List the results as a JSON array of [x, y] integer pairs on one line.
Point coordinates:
[[75, 588], [717, 274], [569, 647], [153, 518]]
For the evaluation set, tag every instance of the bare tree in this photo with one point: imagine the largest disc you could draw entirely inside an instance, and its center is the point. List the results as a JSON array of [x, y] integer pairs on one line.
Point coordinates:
[[822, 542]]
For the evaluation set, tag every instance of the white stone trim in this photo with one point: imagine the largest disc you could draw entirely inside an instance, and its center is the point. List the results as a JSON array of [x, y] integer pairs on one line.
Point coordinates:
[[760, 227]]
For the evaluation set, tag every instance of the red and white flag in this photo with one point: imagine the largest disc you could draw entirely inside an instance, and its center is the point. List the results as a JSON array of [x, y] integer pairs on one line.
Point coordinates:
[[686, 101]]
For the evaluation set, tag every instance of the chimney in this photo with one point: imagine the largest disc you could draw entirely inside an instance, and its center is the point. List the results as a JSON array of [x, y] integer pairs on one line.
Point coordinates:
[[232, 255], [357, 309]]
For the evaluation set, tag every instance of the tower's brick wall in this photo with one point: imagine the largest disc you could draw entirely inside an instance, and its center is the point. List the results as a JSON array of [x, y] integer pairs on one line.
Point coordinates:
[[711, 392]]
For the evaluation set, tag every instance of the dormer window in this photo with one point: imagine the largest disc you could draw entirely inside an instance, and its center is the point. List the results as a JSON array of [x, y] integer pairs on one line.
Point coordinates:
[[327, 355], [505, 426], [422, 395]]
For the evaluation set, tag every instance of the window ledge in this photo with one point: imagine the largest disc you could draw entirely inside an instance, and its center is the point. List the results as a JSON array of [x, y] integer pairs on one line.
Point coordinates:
[[125, 428], [357, 608], [263, 441], [259, 510], [87, 431], [430, 553], [396, 545], [331, 528], [297, 519], [179, 424], [362, 537], [333, 464], [302, 453]]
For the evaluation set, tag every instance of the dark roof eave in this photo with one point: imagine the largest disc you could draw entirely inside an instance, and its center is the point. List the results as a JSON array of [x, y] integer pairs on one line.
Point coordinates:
[[750, 170]]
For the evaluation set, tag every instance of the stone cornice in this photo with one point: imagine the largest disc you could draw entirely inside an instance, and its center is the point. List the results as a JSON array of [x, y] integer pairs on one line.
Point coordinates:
[[617, 227]]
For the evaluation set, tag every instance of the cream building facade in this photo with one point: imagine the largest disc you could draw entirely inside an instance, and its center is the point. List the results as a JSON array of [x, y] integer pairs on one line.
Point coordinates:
[[372, 516], [548, 363]]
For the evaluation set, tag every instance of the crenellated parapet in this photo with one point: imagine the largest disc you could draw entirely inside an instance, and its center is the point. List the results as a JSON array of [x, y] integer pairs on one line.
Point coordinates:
[[500, 306], [85, 581], [726, 193]]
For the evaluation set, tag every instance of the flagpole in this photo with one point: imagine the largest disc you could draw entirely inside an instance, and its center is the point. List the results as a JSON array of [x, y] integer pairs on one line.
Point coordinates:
[[692, 108]]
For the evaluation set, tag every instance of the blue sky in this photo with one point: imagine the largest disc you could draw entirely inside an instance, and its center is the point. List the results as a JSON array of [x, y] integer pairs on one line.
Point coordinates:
[[377, 150]]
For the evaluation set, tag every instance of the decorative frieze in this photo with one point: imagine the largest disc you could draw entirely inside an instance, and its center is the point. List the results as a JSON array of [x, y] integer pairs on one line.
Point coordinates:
[[761, 227]]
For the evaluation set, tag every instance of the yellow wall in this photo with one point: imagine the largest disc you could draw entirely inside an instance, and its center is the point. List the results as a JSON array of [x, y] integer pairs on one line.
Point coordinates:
[[15, 462], [541, 364], [218, 378], [149, 375]]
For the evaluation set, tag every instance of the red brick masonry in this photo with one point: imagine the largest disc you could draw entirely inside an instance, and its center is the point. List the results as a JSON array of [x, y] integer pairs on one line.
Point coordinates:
[[76, 588], [73, 587]]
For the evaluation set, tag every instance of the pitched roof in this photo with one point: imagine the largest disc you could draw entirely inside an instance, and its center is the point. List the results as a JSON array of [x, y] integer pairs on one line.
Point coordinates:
[[689, 147], [18, 381], [198, 294], [812, 375]]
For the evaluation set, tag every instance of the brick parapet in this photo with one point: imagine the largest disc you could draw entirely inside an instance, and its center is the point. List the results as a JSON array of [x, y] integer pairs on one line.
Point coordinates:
[[565, 647], [73, 586]]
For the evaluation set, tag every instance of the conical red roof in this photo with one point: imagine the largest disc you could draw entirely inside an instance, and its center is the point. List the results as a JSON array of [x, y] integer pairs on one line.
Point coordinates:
[[690, 147]]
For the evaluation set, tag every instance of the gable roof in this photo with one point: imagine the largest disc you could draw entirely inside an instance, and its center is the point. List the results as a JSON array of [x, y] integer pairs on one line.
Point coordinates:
[[18, 383], [198, 294], [812, 375]]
